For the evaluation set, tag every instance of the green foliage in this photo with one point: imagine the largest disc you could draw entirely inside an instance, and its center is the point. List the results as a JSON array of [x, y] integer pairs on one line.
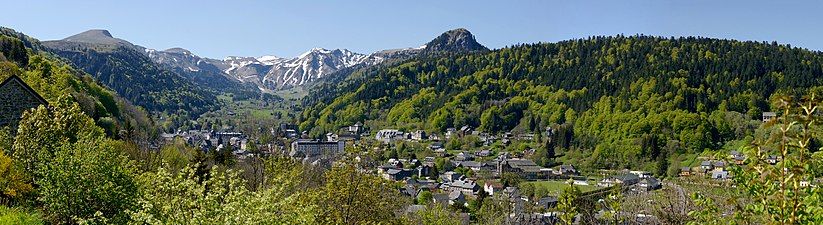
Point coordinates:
[[567, 203], [436, 214], [494, 210], [85, 180], [42, 132], [424, 198], [357, 197], [510, 179], [13, 181], [136, 78], [78, 173], [51, 78], [611, 91], [222, 198], [775, 193], [20, 216], [613, 202]]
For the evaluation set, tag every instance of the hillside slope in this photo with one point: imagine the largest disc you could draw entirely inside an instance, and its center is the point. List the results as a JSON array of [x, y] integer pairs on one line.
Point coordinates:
[[25, 57], [119, 65], [616, 101]]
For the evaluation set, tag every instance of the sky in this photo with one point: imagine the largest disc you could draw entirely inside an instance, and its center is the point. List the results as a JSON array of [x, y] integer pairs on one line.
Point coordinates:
[[217, 29]]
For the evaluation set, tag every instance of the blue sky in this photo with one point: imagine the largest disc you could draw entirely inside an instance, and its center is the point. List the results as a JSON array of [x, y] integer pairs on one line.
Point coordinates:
[[217, 29]]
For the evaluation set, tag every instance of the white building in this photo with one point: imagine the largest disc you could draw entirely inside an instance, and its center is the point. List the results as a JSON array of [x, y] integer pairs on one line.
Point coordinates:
[[310, 148]]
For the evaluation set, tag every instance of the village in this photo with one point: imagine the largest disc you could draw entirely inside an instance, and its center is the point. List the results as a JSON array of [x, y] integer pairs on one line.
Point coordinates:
[[429, 171]]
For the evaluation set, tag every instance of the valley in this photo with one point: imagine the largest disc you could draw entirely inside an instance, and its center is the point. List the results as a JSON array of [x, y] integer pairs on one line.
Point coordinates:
[[604, 129]]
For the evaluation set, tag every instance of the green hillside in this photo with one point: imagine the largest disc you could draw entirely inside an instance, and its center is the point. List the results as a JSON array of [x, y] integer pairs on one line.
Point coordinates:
[[136, 78], [24, 56], [615, 102]]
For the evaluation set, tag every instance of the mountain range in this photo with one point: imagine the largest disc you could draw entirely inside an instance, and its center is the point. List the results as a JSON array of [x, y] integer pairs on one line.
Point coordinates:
[[266, 73]]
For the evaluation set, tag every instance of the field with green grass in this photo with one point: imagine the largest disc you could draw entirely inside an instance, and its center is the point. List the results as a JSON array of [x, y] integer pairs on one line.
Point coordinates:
[[555, 188], [19, 216]]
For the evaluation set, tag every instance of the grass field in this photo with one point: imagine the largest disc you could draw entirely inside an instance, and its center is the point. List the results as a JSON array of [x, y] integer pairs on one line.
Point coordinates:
[[556, 187], [292, 93], [19, 216]]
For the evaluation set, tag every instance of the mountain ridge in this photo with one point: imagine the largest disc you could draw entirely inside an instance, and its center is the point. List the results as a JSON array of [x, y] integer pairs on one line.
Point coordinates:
[[271, 72]]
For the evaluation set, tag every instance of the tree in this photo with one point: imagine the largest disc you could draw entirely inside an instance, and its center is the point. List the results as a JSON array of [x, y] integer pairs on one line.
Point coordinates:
[[357, 197], [769, 193], [69, 158], [424, 198], [662, 164], [454, 144], [435, 214], [510, 179], [88, 180], [494, 210], [14, 184], [222, 198], [567, 202]]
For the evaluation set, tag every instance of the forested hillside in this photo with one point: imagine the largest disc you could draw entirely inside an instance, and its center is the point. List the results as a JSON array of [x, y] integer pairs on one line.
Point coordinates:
[[24, 56], [615, 102], [135, 77]]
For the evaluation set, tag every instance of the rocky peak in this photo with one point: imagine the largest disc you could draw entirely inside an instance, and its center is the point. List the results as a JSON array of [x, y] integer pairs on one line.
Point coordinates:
[[458, 39]]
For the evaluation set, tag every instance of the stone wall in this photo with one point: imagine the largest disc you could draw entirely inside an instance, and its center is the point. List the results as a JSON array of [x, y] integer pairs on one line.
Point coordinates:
[[15, 98]]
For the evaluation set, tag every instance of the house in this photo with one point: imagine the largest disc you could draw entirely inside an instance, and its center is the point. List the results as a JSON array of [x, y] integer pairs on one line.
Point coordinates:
[[476, 166], [388, 135], [547, 202], [15, 98], [568, 170], [419, 135], [503, 156], [734, 154], [623, 179], [769, 116], [291, 133], [440, 152], [456, 197], [720, 175], [719, 165], [648, 184], [440, 198], [434, 137], [706, 165], [685, 171], [463, 156], [525, 136], [357, 128], [580, 181], [527, 169], [739, 160], [450, 176], [410, 190], [425, 171], [482, 153], [331, 137], [397, 174], [436, 145], [773, 159], [641, 174], [429, 185], [506, 142], [512, 193], [466, 186], [466, 130], [492, 187], [396, 163], [429, 161], [311, 148], [451, 133]]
